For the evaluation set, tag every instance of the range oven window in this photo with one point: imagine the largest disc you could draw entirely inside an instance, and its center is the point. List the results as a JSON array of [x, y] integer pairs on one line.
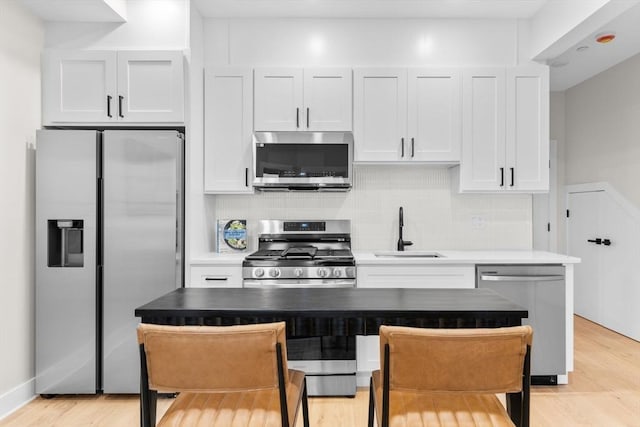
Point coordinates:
[[302, 160]]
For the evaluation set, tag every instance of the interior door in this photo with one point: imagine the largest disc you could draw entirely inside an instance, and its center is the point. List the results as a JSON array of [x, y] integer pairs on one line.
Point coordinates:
[[583, 225], [603, 230]]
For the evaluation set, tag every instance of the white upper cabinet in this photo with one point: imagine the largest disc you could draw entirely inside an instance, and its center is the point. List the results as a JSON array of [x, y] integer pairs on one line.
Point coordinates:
[[506, 130], [379, 114], [79, 86], [407, 115], [150, 86], [434, 114], [527, 147], [227, 135], [296, 99], [113, 87]]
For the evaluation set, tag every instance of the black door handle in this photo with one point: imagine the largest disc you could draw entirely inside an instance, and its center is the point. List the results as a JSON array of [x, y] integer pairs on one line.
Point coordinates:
[[501, 177], [512, 176], [297, 118], [606, 242], [597, 241], [120, 98], [307, 117], [402, 146], [109, 106], [412, 147]]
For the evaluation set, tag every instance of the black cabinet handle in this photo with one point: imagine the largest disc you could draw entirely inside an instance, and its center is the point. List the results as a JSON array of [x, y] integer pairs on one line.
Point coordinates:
[[109, 106], [402, 147], [606, 242], [512, 180], [216, 279], [307, 117], [297, 117], [412, 147], [120, 98], [501, 177], [246, 177], [597, 241]]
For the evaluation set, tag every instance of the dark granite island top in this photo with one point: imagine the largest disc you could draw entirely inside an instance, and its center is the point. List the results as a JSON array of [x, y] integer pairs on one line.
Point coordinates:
[[333, 311]]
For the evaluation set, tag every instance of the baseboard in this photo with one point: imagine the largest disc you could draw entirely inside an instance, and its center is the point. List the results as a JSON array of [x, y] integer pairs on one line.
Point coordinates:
[[17, 397]]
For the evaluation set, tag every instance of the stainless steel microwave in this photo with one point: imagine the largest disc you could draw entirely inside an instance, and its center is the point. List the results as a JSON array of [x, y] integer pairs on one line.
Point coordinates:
[[303, 161]]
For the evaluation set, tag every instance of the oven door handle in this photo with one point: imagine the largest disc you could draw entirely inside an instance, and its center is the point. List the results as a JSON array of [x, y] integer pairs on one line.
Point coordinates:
[[261, 284]]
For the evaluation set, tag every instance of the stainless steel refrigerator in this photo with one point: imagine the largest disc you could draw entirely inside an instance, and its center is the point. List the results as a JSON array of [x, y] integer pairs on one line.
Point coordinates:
[[109, 238]]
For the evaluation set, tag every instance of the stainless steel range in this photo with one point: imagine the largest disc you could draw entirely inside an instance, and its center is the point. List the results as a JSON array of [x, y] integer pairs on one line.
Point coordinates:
[[301, 254], [294, 253]]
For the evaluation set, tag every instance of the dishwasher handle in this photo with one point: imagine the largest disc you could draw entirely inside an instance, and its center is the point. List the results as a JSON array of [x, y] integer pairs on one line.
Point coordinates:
[[522, 278]]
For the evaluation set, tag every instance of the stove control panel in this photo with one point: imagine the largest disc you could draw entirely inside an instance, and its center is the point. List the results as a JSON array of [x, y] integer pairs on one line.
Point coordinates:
[[299, 272]]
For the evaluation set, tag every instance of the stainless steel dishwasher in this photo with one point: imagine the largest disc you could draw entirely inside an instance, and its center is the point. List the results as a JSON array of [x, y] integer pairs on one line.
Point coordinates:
[[541, 290]]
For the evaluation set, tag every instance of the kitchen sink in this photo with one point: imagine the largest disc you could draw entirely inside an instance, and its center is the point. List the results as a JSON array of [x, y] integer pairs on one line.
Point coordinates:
[[407, 254]]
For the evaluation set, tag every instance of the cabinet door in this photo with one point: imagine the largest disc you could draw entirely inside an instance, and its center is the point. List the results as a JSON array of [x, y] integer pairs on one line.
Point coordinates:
[[79, 86], [380, 114], [227, 135], [482, 166], [527, 146], [434, 115], [278, 99], [150, 86], [327, 99]]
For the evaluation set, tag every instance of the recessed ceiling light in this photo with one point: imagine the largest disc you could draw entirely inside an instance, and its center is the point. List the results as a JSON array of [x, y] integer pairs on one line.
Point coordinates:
[[605, 37], [582, 48]]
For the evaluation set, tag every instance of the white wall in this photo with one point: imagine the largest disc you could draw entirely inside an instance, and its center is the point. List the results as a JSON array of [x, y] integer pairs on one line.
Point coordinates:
[[557, 132], [436, 217], [21, 38], [603, 129]]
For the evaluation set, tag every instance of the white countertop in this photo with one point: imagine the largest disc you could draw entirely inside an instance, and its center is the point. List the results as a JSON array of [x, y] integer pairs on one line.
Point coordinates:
[[470, 257], [447, 257], [216, 258]]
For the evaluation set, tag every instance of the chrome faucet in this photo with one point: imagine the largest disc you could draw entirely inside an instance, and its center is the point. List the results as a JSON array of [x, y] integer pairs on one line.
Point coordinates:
[[401, 242]]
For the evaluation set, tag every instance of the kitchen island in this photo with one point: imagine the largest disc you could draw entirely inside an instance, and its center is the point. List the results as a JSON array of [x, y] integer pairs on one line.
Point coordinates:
[[333, 311]]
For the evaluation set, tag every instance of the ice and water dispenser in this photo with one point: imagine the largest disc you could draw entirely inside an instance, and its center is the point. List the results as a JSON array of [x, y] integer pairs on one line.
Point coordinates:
[[65, 246]]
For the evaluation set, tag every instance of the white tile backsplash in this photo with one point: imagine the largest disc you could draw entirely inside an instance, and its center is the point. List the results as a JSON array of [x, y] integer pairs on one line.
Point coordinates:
[[435, 216]]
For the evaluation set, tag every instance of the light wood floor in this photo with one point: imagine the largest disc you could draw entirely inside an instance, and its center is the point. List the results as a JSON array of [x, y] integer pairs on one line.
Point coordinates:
[[603, 391]]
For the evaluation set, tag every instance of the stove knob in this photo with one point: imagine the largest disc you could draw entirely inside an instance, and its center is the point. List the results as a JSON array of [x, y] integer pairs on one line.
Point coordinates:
[[323, 272], [350, 272], [258, 272], [275, 272], [297, 272], [337, 272]]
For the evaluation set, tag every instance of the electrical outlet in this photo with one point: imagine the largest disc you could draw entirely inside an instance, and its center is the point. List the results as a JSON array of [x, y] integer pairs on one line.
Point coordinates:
[[478, 222]]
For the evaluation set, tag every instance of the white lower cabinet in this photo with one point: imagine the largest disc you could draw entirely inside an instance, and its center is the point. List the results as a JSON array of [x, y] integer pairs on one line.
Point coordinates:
[[216, 276], [403, 276]]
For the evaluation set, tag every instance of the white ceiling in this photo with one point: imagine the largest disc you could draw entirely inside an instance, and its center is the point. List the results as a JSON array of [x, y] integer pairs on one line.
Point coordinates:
[[78, 10], [369, 8]]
